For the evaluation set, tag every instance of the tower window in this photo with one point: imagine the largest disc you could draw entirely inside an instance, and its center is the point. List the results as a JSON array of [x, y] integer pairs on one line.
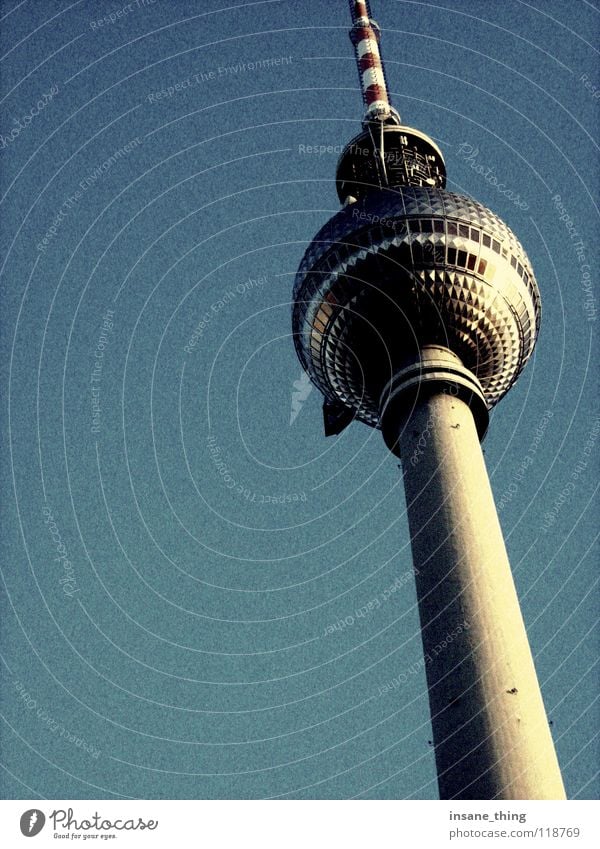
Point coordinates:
[[417, 253], [487, 242]]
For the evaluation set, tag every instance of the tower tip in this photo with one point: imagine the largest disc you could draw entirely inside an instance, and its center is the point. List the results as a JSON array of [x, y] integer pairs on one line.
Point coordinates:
[[365, 36]]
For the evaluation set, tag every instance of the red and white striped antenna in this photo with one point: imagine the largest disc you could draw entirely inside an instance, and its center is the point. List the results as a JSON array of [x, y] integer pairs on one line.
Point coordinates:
[[365, 35]]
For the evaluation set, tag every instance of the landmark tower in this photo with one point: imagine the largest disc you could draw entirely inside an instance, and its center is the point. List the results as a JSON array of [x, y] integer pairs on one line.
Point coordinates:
[[415, 309]]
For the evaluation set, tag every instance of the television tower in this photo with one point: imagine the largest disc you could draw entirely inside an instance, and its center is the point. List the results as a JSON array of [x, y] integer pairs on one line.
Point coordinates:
[[414, 310]]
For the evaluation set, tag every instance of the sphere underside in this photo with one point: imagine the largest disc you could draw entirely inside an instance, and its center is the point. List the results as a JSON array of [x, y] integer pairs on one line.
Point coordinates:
[[401, 269]]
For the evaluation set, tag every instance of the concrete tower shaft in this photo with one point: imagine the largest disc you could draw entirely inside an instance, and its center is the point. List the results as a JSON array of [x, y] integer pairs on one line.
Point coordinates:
[[492, 740]]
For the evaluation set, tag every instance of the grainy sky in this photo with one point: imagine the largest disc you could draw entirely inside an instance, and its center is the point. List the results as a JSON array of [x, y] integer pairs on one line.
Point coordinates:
[[178, 536]]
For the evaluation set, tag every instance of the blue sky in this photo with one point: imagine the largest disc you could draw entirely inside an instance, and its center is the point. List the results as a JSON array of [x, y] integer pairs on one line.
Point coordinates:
[[179, 538]]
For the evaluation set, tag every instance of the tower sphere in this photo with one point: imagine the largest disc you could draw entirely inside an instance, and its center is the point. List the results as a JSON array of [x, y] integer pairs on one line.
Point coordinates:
[[406, 267]]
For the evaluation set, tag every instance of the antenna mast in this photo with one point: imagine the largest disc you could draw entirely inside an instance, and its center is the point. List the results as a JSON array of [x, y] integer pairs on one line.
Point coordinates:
[[365, 36]]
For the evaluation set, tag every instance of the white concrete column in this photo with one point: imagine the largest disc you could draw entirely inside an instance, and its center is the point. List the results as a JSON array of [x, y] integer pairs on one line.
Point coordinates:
[[491, 735]]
